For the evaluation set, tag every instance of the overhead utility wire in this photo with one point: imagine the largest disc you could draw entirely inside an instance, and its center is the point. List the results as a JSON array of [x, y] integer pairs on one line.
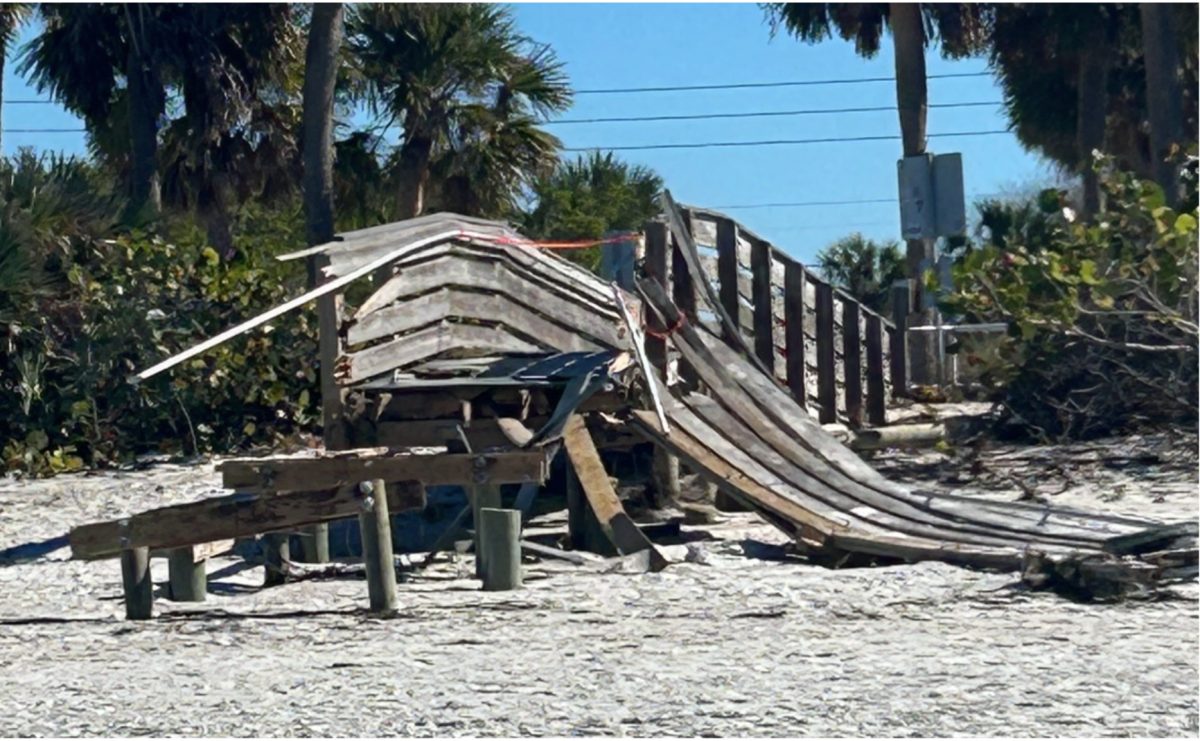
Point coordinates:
[[774, 142], [786, 83], [754, 114]]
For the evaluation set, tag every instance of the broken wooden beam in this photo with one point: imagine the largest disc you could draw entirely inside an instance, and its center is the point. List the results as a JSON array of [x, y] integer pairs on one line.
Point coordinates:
[[235, 516], [593, 479], [293, 474]]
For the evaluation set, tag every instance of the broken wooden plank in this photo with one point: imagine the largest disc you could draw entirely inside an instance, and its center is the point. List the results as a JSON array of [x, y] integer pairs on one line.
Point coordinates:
[[593, 479], [235, 516], [294, 474]]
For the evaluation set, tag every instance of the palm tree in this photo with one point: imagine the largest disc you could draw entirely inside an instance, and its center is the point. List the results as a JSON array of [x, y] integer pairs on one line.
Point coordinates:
[[863, 267], [451, 76], [1163, 92], [101, 63], [960, 28], [116, 65], [320, 77], [12, 15]]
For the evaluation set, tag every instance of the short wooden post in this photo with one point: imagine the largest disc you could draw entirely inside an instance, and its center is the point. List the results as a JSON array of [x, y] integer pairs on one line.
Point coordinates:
[[482, 497], [314, 543], [826, 380], [764, 318], [876, 394], [138, 587], [683, 293], [727, 270], [852, 362], [187, 578], [376, 529], [500, 531], [901, 303], [793, 329], [277, 553]]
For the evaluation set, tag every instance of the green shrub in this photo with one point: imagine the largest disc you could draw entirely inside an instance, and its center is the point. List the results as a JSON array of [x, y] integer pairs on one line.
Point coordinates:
[[97, 305], [1102, 314]]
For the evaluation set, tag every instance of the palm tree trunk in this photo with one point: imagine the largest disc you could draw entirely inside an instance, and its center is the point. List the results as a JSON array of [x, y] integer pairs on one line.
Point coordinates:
[[413, 172], [1163, 94], [912, 100], [3, 55], [1091, 115], [145, 104], [320, 75]]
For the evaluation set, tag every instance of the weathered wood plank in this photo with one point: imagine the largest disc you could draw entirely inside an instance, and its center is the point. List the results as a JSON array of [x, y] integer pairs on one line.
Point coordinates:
[[876, 391], [852, 363], [219, 518], [585, 460], [764, 320], [826, 378], [683, 291], [407, 315], [295, 474], [793, 318], [901, 303], [429, 342]]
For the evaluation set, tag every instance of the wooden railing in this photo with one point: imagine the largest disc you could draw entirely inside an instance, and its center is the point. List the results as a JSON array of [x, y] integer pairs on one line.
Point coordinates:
[[840, 359]]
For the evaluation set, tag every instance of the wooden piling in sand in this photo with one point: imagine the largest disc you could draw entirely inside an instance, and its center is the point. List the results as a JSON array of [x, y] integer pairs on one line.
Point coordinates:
[[500, 531], [139, 589], [277, 553], [376, 528], [188, 579], [482, 497]]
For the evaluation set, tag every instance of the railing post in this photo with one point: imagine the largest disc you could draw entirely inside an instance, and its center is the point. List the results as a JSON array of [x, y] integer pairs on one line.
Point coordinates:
[[683, 293], [826, 380], [665, 466], [852, 361], [760, 286], [876, 401], [901, 303], [727, 270], [793, 329]]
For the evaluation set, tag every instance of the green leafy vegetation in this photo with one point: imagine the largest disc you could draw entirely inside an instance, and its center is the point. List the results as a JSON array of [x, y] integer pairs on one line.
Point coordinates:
[[864, 267], [1102, 312]]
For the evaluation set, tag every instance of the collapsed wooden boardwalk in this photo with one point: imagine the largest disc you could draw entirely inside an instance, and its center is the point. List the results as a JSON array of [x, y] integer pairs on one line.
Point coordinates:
[[480, 359]]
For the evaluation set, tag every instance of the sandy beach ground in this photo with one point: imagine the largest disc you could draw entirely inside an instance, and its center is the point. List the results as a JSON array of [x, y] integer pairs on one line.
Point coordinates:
[[721, 643]]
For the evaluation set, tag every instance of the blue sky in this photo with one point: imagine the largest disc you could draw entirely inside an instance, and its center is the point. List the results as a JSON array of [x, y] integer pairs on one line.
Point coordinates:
[[647, 45]]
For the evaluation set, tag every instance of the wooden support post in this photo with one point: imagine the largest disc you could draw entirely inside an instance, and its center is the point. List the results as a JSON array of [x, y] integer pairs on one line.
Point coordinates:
[[188, 580], [683, 293], [793, 329], [314, 543], [876, 394], [376, 529], [852, 362], [500, 531], [482, 497], [665, 466], [277, 553], [901, 302], [139, 589], [727, 269], [826, 380], [315, 539], [656, 268], [764, 320]]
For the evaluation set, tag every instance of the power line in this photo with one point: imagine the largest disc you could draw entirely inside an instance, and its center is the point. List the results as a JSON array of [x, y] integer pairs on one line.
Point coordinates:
[[43, 131], [28, 101], [754, 114], [775, 142], [787, 83], [799, 204]]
